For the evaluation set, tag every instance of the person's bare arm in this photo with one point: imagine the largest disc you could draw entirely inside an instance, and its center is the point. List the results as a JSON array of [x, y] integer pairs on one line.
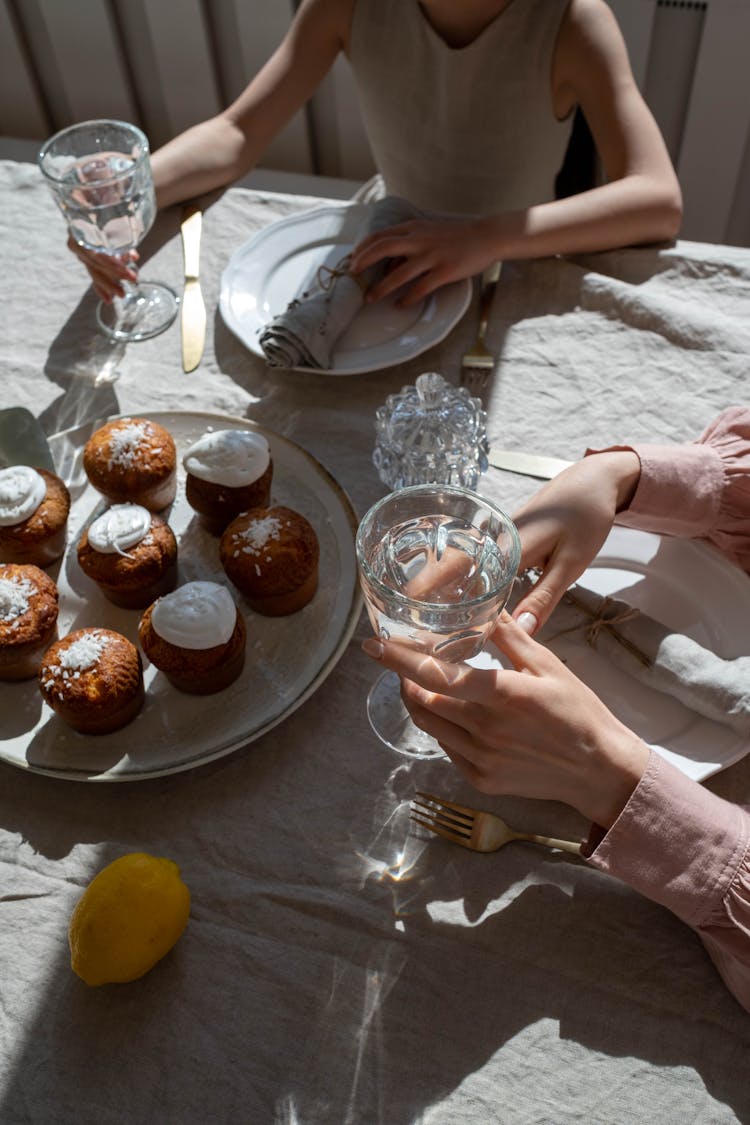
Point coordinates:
[[217, 151], [641, 201], [220, 150]]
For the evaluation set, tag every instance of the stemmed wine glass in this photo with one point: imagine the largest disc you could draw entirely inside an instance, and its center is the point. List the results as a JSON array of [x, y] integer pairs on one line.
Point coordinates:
[[436, 565], [99, 173]]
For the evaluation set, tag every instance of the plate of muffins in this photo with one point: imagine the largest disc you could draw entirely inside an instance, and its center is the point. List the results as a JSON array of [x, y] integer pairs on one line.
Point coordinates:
[[154, 590]]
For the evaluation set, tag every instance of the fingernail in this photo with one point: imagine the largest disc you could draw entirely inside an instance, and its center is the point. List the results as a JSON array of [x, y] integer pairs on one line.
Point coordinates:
[[528, 622], [372, 647]]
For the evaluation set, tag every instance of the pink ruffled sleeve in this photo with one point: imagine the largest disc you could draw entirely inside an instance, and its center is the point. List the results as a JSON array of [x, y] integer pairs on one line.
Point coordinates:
[[675, 841], [698, 490], [682, 846]]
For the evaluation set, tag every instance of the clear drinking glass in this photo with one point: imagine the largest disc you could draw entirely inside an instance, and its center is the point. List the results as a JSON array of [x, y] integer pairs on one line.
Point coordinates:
[[436, 566], [99, 173]]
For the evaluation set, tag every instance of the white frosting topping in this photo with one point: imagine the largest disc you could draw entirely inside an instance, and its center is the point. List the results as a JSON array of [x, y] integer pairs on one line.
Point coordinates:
[[120, 527], [22, 490], [196, 615], [232, 458]]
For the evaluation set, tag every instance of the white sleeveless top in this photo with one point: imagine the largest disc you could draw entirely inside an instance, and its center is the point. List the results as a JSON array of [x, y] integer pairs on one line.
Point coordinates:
[[468, 130]]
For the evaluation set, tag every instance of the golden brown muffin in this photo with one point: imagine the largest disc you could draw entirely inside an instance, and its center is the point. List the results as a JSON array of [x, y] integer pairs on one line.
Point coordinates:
[[132, 461], [28, 619], [189, 619], [135, 575], [271, 555], [39, 539], [228, 472], [218, 504], [93, 679]]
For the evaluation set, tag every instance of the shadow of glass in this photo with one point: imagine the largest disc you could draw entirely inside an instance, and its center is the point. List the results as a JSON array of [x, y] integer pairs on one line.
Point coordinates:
[[360, 975]]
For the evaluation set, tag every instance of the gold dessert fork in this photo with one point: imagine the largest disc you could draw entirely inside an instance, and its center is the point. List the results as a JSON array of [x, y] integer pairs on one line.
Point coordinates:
[[478, 362], [480, 831]]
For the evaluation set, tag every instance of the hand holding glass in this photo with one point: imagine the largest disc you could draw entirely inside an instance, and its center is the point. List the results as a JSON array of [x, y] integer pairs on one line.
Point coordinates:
[[99, 173], [436, 565]]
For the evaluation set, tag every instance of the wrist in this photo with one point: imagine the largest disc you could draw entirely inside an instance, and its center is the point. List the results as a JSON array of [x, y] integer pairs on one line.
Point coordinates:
[[625, 760], [624, 468]]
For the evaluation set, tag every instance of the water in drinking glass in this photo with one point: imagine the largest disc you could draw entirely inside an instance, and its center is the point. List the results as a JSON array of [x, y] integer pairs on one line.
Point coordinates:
[[99, 174], [434, 576], [436, 565], [109, 204]]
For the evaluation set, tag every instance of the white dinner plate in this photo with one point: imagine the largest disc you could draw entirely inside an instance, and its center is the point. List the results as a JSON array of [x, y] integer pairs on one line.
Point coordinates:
[[287, 657], [692, 589], [281, 261]]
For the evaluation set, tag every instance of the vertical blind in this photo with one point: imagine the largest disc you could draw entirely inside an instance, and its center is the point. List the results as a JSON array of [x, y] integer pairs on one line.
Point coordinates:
[[167, 65]]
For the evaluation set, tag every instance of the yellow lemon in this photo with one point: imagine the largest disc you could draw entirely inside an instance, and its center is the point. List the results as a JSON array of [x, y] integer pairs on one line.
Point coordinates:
[[129, 917]]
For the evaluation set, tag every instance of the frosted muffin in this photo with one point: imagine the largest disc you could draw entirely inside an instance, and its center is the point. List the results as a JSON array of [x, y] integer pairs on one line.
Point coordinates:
[[133, 461], [196, 636], [93, 679], [34, 508], [227, 472], [131, 554], [28, 619], [271, 555]]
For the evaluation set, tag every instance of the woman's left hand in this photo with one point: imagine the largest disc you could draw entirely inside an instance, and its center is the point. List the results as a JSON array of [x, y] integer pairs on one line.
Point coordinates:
[[426, 254], [534, 731]]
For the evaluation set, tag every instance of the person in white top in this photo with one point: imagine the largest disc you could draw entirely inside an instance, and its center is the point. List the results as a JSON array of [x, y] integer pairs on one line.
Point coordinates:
[[578, 58]]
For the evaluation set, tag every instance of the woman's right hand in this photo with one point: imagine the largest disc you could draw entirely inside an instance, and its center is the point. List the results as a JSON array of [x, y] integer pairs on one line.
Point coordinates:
[[534, 730], [565, 523], [107, 271]]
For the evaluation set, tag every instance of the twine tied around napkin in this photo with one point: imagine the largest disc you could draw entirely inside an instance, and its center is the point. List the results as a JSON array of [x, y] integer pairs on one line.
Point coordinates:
[[306, 332], [653, 654], [326, 278], [608, 614]]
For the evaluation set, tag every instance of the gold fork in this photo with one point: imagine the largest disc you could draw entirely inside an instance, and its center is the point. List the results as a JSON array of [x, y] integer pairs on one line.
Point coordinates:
[[480, 831], [478, 362]]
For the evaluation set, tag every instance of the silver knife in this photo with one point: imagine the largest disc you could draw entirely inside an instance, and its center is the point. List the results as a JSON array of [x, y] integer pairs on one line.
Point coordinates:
[[23, 441], [193, 312], [527, 464]]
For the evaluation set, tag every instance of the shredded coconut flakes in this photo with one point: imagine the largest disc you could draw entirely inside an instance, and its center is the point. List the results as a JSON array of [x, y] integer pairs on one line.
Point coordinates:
[[258, 534], [14, 597], [83, 653], [124, 443]]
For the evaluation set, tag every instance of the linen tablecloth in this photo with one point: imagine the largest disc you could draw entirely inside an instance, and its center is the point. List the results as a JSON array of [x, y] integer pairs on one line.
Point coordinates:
[[337, 970]]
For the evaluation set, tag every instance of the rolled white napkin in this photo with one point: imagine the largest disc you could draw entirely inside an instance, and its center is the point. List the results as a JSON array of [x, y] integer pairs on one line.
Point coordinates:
[[306, 333], [666, 661]]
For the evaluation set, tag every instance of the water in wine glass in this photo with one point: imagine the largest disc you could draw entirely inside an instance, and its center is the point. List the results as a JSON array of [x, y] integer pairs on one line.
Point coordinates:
[[436, 564], [109, 203], [100, 177], [440, 584]]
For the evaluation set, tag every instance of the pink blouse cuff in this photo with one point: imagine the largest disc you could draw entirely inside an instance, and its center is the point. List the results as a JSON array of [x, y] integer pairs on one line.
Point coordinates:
[[679, 491], [674, 842]]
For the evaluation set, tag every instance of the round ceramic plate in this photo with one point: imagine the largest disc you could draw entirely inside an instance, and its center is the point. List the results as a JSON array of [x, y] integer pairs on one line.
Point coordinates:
[[175, 731], [691, 589], [281, 261]]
